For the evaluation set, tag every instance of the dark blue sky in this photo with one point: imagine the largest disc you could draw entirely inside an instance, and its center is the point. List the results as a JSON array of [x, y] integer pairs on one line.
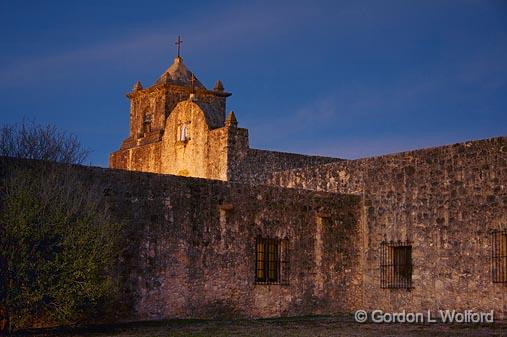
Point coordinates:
[[338, 78]]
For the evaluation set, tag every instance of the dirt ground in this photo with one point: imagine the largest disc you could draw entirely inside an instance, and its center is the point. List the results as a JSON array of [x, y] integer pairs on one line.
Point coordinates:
[[300, 326]]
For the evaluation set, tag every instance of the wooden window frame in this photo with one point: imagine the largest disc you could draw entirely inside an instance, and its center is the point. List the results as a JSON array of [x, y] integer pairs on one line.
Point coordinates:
[[271, 261]]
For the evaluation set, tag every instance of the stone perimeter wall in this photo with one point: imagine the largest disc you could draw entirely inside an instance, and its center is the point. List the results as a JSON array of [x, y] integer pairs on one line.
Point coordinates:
[[446, 200], [228, 157], [197, 253], [254, 166], [193, 254]]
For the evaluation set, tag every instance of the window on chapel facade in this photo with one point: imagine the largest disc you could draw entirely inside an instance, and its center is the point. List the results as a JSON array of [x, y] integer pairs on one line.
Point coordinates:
[[183, 134]]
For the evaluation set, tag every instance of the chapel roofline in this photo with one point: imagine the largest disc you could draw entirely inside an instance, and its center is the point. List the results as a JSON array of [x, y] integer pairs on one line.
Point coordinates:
[[179, 78], [174, 87]]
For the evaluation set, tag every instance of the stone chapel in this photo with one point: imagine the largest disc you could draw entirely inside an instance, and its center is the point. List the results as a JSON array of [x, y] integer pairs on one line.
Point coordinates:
[[179, 127], [267, 233]]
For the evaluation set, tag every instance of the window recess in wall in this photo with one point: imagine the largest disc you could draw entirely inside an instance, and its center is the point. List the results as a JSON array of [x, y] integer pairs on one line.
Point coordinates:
[[396, 265], [499, 256], [271, 261], [183, 132], [147, 120]]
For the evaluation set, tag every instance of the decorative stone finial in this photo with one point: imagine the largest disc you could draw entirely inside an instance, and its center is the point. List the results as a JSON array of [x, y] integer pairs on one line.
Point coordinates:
[[231, 120], [192, 83], [218, 86], [138, 86]]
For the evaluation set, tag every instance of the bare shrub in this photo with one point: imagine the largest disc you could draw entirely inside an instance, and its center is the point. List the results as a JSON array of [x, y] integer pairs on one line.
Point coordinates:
[[30, 140]]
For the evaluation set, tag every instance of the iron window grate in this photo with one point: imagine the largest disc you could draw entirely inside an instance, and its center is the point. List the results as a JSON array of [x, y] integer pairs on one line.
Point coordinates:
[[499, 256], [396, 265]]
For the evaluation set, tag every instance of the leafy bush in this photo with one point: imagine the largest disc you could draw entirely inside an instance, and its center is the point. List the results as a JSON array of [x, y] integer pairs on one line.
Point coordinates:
[[57, 247]]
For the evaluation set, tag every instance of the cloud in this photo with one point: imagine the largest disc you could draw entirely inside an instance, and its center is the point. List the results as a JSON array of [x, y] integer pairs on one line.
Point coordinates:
[[344, 107], [220, 31], [424, 109], [364, 146]]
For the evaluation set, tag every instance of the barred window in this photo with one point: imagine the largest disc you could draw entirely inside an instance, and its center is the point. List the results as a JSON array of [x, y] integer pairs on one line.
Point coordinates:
[[499, 255], [271, 261], [396, 265]]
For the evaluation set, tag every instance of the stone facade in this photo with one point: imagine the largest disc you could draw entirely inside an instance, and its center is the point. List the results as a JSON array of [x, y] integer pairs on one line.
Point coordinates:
[[196, 258], [192, 250], [179, 127], [445, 201]]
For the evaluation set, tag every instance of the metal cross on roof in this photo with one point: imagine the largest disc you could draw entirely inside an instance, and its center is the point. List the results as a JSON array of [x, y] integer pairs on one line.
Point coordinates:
[[178, 43]]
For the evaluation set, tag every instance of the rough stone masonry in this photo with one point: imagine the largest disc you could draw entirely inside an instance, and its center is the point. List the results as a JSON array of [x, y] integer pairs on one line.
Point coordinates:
[[289, 234]]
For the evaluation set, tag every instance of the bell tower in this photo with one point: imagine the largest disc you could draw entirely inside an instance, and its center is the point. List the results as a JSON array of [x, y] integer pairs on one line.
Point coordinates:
[[178, 126], [150, 107]]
